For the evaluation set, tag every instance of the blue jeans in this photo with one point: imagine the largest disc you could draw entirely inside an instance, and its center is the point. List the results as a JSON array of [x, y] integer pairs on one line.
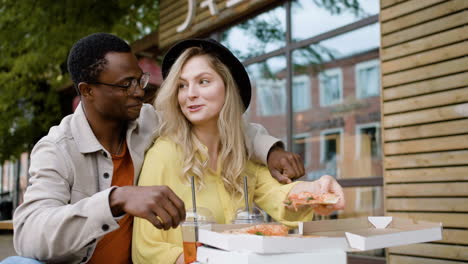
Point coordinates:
[[20, 260]]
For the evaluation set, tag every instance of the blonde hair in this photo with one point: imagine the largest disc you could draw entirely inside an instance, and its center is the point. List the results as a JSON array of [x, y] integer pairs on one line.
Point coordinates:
[[233, 152]]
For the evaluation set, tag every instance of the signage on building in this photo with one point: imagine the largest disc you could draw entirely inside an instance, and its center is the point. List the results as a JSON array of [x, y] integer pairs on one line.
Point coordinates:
[[210, 4], [180, 19]]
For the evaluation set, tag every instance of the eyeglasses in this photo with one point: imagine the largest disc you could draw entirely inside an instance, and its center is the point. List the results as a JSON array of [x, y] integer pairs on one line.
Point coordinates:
[[132, 83]]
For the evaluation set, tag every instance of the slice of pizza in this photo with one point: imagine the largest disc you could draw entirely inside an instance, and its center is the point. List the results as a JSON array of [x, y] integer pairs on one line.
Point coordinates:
[[307, 198], [261, 230]]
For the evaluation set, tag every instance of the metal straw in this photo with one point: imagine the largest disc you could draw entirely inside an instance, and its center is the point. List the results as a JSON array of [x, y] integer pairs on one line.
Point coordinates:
[[194, 205], [246, 197]]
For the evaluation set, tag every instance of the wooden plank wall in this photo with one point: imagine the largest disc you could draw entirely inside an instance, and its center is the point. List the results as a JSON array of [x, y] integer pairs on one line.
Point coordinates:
[[424, 53], [174, 12]]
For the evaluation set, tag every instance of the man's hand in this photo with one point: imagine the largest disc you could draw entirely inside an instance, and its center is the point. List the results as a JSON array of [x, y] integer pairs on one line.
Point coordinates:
[[284, 165], [157, 204], [326, 184]]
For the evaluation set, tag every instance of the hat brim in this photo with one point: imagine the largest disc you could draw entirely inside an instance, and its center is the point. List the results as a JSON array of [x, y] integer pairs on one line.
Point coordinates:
[[211, 46]]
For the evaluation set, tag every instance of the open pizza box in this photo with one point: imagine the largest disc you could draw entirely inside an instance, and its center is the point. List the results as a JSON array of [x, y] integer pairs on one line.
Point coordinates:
[[209, 255], [355, 234]]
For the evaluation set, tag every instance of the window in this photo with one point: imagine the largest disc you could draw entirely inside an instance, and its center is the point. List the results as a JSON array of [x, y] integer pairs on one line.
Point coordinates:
[[258, 35], [270, 97], [330, 145], [368, 140], [367, 79], [301, 93], [331, 149], [362, 202], [369, 199], [302, 146], [331, 87], [305, 13]]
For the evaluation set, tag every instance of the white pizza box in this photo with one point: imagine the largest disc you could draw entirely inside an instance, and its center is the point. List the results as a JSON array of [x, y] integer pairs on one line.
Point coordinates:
[[209, 255], [354, 234]]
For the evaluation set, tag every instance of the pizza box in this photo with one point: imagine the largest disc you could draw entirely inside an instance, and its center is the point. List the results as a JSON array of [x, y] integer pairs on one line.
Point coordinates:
[[209, 255], [354, 234]]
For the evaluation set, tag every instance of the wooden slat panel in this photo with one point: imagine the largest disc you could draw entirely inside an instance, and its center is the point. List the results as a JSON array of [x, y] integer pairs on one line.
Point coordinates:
[[433, 250], [6, 225], [427, 189], [163, 4], [428, 130], [447, 219], [426, 101], [170, 27], [178, 11], [424, 15], [386, 3], [455, 236], [425, 29], [426, 86], [427, 116], [427, 160], [204, 22], [426, 43], [178, 15], [405, 8], [426, 72], [425, 58], [395, 259], [427, 204], [168, 8], [427, 145], [427, 175]]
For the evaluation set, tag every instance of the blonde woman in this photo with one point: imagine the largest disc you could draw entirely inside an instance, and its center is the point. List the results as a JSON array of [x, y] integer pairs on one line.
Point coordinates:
[[203, 97]]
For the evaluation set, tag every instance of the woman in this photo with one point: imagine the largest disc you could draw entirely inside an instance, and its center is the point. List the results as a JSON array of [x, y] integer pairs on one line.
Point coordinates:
[[204, 96]]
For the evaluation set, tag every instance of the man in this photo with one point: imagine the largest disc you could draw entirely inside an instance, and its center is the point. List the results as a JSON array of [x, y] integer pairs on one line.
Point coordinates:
[[80, 204]]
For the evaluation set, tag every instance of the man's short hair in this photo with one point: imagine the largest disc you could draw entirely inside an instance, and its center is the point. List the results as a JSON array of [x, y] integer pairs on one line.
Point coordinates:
[[86, 59]]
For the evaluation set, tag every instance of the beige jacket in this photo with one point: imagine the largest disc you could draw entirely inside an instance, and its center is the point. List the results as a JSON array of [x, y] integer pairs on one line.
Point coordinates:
[[66, 206]]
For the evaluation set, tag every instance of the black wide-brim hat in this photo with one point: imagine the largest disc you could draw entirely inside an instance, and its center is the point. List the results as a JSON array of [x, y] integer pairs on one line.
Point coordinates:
[[211, 46]]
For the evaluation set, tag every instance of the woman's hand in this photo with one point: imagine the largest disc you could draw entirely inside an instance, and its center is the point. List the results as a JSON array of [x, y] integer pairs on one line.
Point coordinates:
[[326, 184]]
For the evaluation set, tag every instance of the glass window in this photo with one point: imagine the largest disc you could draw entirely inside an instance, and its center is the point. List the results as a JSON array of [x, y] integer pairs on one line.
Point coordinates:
[[256, 36], [360, 202], [338, 122], [301, 93], [368, 140], [268, 104], [346, 45], [351, 43], [324, 18], [330, 146], [331, 87], [367, 79], [302, 146], [270, 97]]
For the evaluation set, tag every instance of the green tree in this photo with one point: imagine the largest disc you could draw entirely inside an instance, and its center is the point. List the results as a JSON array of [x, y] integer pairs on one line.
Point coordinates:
[[36, 38]]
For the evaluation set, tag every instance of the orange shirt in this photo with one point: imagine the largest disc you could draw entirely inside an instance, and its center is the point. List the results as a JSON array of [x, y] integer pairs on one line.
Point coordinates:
[[116, 246]]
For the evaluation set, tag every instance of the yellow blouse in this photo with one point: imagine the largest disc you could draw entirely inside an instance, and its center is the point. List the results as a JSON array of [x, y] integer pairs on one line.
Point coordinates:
[[162, 166]]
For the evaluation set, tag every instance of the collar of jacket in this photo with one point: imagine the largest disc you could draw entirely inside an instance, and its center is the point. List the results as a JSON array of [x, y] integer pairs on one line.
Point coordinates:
[[84, 135]]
